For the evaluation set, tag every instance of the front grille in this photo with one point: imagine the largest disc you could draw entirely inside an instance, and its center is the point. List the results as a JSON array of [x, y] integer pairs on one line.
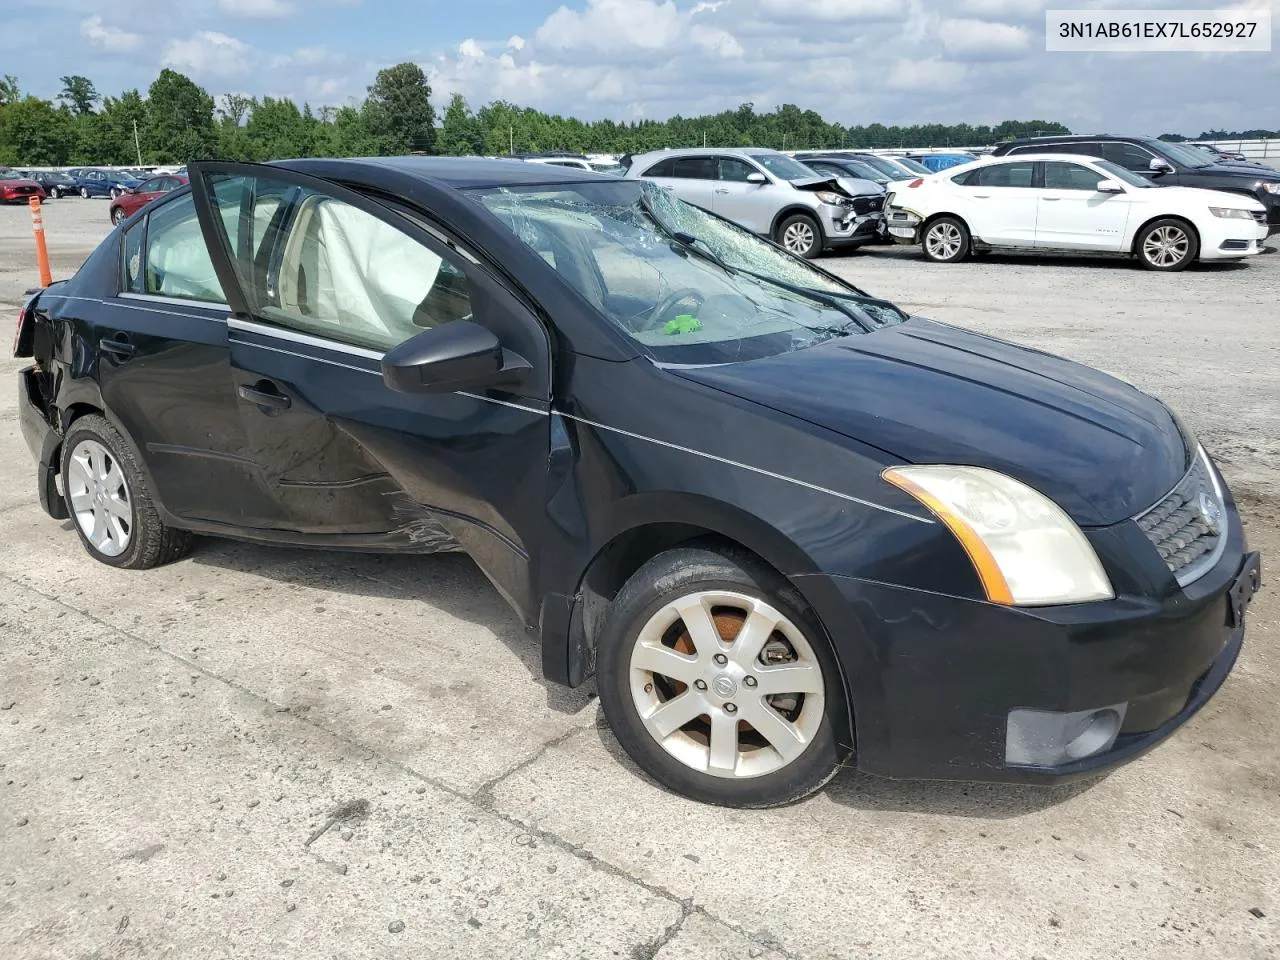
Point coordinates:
[[865, 205], [1188, 527], [1236, 244]]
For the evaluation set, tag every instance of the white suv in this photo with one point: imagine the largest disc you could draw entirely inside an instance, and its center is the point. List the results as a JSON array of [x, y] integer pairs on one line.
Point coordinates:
[[769, 193], [1069, 202]]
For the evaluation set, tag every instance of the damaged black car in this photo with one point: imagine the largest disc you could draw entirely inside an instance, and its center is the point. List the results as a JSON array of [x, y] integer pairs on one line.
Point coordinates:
[[787, 526]]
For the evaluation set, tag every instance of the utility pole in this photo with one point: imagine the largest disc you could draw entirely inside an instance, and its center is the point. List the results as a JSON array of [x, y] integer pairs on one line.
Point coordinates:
[[511, 136], [136, 145]]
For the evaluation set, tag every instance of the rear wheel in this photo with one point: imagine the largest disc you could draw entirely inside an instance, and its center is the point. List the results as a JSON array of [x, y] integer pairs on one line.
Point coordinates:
[[800, 234], [108, 498], [719, 683], [1168, 245], [946, 240]]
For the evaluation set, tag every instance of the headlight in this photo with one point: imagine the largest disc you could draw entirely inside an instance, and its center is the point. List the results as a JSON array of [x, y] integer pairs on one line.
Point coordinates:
[[1026, 550], [1271, 186], [1231, 213], [835, 199]]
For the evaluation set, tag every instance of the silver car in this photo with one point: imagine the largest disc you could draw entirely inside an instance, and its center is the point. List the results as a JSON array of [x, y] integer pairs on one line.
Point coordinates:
[[768, 193]]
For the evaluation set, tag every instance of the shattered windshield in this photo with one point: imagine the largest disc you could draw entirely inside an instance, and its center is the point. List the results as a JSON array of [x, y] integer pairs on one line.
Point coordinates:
[[687, 286]]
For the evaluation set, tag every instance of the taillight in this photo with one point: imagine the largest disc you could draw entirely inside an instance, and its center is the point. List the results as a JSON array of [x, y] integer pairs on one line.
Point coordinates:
[[915, 183]]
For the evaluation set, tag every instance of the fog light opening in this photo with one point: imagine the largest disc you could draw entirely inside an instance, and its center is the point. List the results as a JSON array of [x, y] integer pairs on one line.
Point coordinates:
[[1046, 738], [1099, 734]]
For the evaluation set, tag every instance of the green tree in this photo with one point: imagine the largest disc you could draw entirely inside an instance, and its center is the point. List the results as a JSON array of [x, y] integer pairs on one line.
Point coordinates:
[[79, 94], [179, 125], [9, 91], [460, 134], [33, 133], [398, 111]]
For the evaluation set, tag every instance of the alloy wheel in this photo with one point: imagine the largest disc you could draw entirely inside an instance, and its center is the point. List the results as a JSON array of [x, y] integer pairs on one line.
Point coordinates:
[[943, 241], [100, 498], [727, 684], [84, 192], [799, 237], [1166, 246]]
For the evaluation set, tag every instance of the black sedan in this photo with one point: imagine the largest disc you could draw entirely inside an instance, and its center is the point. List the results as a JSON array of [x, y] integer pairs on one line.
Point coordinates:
[[56, 185], [786, 525]]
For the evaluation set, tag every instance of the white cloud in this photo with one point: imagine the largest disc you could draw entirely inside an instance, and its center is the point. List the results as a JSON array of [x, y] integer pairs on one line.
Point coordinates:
[[109, 38], [210, 54], [982, 38], [265, 9], [469, 48], [635, 28], [931, 74], [1012, 9], [834, 10]]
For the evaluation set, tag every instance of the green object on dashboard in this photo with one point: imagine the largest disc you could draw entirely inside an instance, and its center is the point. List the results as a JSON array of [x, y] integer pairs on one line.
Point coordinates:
[[685, 323]]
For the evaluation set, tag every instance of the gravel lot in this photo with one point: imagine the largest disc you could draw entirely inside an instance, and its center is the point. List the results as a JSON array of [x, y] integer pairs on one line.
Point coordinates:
[[173, 742]]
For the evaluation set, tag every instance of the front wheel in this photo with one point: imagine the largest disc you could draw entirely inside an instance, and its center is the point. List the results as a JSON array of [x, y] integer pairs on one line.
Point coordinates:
[[84, 192], [108, 498], [718, 681], [1168, 245], [946, 240], [801, 235], [116, 215], [55, 193]]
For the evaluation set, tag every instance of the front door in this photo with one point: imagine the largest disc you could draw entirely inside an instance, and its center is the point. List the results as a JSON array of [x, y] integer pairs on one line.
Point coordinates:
[[1074, 214], [751, 205], [322, 282]]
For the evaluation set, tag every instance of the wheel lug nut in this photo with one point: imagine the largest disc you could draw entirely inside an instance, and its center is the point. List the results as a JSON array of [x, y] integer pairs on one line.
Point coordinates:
[[730, 708], [700, 684], [721, 659], [749, 681]]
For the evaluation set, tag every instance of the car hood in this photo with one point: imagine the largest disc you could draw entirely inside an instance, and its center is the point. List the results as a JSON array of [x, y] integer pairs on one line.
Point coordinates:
[[18, 182], [1204, 195], [1238, 170], [924, 392]]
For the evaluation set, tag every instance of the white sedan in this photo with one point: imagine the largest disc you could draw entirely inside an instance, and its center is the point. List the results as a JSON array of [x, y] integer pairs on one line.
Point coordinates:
[[1068, 202]]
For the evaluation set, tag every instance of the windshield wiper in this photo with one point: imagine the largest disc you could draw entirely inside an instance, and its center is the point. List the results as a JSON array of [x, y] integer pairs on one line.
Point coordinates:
[[700, 246]]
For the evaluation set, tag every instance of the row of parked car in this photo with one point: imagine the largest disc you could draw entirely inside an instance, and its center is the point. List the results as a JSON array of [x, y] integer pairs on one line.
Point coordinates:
[[1081, 193]]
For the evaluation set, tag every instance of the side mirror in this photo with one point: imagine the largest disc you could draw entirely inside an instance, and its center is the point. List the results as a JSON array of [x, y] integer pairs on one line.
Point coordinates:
[[460, 355], [758, 178], [1160, 166], [1109, 186]]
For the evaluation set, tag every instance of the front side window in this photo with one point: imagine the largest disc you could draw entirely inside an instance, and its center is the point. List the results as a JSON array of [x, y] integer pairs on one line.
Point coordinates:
[[735, 170], [1006, 174], [313, 263], [177, 261], [1070, 176], [1128, 155], [687, 286]]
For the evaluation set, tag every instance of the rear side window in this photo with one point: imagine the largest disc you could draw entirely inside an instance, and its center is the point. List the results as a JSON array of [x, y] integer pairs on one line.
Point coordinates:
[[696, 168], [314, 263], [663, 168], [1006, 174], [177, 260]]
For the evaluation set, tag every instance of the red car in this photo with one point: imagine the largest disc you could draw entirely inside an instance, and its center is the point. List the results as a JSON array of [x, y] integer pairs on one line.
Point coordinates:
[[15, 187], [131, 201]]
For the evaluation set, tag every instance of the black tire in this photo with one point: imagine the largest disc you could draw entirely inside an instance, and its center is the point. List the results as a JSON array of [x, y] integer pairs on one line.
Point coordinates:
[[117, 215], [946, 240], [801, 234], [679, 573], [1167, 245], [150, 543], [84, 193]]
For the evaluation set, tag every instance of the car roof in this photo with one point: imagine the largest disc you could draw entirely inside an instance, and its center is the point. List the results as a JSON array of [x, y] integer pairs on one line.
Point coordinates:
[[464, 172], [1073, 138], [706, 152]]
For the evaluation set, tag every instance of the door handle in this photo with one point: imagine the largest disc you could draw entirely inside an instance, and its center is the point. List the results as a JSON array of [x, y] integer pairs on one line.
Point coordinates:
[[982, 196], [722, 190], [121, 349], [264, 399], [1051, 199]]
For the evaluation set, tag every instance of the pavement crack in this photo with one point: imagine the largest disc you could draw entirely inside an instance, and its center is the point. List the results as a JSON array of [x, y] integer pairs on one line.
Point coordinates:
[[483, 795]]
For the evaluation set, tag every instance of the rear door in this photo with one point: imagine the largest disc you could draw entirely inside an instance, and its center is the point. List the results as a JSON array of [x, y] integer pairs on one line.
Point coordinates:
[[322, 282], [692, 179], [1074, 214], [1000, 202]]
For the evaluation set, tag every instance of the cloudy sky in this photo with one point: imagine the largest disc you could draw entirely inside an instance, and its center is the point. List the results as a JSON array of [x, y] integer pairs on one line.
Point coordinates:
[[856, 61]]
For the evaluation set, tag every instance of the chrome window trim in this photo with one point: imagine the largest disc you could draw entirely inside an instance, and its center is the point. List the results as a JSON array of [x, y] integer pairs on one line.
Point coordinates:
[[293, 336], [219, 305]]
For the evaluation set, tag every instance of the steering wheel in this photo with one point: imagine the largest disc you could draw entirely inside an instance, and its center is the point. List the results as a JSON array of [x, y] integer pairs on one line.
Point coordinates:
[[668, 302]]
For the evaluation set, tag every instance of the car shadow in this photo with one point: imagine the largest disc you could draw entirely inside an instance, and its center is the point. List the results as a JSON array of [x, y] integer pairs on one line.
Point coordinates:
[[861, 791], [449, 581], [1061, 260]]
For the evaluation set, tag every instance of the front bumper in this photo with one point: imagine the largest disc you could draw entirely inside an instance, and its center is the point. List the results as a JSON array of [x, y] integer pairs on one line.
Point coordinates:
[[843, 227], [903, 226], [933, 679]]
